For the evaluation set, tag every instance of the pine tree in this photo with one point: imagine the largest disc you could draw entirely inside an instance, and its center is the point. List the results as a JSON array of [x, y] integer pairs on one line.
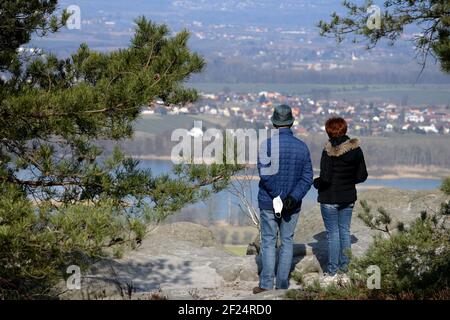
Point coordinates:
[[62, 200], [431, 17]]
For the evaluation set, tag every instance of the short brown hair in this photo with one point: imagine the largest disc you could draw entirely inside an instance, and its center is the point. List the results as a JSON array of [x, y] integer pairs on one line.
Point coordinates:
[[336, 127]]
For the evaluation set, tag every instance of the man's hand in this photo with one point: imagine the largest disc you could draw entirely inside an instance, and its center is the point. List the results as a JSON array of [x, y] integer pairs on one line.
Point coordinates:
[[289, 203]]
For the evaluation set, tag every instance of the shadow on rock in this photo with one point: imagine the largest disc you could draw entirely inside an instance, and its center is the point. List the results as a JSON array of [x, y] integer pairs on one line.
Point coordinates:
[[320, 247]]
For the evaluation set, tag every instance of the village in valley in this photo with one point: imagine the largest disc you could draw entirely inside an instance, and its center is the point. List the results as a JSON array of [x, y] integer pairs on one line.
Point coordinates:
[[366, 119]]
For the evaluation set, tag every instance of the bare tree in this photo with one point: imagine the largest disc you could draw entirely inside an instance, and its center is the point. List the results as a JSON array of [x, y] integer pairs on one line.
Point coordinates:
[[240, 186]]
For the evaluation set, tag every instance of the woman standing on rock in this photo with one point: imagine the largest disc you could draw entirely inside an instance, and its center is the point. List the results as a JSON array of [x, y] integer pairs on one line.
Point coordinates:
[[341, 167]]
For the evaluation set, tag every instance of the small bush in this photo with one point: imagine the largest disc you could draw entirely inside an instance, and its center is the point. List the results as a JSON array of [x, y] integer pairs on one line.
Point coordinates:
[[445, 187], [414, 261], [316, 292]]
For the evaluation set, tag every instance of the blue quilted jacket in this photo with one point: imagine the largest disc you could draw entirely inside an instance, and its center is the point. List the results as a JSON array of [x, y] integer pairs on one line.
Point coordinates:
[[294, 176]]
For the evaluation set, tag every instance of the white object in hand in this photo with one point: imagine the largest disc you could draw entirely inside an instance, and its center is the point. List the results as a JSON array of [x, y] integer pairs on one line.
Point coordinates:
[[277, 206]]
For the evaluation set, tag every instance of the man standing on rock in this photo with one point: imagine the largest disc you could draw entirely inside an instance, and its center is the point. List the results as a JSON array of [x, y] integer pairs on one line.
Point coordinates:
[[280, 199]]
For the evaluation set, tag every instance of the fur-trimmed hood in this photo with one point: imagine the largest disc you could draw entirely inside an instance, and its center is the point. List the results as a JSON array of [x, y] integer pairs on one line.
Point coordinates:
[[342, 148]]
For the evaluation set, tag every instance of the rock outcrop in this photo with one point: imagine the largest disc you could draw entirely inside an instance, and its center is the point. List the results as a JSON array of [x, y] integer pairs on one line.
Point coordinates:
[[178, 261], [184, 261]]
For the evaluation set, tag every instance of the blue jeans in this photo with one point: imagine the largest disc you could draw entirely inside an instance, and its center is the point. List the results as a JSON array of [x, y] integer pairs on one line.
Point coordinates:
[[337, 219], [269, 230]]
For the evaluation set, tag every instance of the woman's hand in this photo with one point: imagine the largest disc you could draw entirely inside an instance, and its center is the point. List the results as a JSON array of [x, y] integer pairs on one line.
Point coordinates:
[[320, 184], [316, 183]]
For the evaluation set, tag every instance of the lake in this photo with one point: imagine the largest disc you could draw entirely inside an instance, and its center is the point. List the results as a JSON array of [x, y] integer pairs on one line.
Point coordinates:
[[226, 206]]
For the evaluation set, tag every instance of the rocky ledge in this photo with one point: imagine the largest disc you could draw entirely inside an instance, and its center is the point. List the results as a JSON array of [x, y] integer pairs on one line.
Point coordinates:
[[184, 261]]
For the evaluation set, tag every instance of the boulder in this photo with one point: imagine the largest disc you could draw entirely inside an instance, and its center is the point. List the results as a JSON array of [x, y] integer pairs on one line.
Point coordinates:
[[237, 268], [252, 249], [97, 288]]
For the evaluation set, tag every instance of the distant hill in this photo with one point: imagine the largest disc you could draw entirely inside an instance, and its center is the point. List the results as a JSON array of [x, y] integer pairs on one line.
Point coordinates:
[[248, 41]]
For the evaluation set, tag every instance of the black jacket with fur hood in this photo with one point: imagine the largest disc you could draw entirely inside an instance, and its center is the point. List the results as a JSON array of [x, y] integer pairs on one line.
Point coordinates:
[[341, 167]]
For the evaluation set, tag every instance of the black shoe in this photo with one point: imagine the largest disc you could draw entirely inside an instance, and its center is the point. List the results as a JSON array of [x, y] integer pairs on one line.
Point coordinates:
[[257, 290]]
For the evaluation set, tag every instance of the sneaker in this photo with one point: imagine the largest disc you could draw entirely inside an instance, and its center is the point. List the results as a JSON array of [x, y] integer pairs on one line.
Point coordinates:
[[328, 280], [257, 290], [343, 279]]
